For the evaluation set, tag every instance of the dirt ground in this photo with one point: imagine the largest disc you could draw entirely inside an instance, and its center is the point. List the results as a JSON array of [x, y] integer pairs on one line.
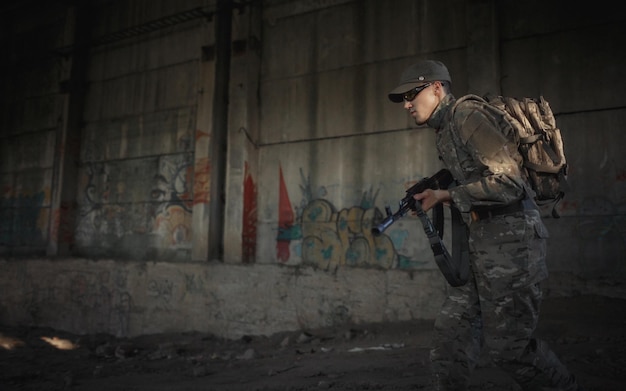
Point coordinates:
[[587, 332]]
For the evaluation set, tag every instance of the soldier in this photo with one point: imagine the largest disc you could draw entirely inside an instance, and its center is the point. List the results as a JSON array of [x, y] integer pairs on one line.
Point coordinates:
[[497, 310]]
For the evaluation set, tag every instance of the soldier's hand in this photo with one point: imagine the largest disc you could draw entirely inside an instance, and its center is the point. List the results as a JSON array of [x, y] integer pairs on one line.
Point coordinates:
[[430, 198]]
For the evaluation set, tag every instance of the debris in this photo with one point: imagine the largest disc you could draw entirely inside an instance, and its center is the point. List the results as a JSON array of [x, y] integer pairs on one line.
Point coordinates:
[[379, 347]]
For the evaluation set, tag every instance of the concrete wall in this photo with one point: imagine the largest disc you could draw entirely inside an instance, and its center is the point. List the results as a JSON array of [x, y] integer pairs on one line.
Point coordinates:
[[133, 298], [137, 198]]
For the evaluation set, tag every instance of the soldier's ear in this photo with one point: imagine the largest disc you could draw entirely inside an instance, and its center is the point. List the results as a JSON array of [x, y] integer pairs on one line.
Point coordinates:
[[438, 86]]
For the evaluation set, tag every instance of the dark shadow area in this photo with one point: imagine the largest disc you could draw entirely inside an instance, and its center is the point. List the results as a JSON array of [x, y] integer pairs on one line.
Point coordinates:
[[588, 332]]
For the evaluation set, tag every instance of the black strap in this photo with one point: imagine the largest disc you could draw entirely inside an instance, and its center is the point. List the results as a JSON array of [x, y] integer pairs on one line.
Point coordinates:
[[454, 268], [438, 219], [489, 212], [460, 244]]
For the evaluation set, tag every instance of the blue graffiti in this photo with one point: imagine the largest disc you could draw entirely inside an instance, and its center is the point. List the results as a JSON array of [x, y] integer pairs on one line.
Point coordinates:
[[18, 220]]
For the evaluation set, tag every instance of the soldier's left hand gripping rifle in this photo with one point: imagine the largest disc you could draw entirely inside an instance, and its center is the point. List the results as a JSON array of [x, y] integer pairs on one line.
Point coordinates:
[[455, 270]]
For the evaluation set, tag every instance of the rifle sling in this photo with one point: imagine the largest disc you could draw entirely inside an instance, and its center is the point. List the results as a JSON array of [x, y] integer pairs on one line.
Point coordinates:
[[460, 244], [454, 268], [438, 219]]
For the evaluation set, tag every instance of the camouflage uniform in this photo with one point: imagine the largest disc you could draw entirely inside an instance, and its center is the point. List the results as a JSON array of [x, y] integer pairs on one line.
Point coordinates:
[[496, 312]]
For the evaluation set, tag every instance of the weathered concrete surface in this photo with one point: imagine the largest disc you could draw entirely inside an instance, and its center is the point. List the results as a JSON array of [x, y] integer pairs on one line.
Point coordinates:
[[131, 298]]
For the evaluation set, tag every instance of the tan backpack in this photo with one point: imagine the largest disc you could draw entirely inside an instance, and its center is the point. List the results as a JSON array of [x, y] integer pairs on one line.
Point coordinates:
[[539, 142]]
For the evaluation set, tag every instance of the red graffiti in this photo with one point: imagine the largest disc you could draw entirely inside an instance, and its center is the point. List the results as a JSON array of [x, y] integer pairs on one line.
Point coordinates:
[[249, 217], [201, 185], [62, 223], [200, 134]]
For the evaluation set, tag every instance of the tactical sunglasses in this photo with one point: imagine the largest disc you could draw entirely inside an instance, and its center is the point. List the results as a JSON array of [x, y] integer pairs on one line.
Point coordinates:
[[410, 95]]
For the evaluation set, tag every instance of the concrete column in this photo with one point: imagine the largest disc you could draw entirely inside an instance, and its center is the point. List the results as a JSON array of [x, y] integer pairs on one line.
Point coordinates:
[[202, 166], [223, 37], [68, 138], [241, 181], [211, 140], [483, 51]]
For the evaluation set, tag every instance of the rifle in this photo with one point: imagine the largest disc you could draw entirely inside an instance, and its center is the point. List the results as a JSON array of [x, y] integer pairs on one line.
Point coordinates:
[[455, 270], [441, 180]]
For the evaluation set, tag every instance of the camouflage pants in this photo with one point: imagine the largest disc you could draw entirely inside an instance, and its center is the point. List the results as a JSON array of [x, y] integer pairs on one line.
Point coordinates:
[[469, 325]]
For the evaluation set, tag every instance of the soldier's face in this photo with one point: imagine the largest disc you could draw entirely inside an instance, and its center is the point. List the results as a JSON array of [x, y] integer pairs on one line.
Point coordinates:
[[421, 102]]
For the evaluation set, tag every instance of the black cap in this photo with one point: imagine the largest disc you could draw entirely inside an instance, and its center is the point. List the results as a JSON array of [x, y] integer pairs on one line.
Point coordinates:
[[419, 74]]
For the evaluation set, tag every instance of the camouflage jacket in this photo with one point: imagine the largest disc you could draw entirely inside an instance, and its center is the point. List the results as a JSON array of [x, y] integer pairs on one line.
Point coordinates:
[[480, 157], [508, 252]]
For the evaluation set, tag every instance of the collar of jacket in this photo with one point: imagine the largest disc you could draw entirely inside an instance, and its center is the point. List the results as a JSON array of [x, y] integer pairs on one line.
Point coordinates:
[[436, 120]]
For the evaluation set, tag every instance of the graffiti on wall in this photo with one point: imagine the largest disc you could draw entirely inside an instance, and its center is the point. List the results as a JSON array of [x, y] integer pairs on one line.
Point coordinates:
[[161, 290], [202, 175], [96, 218], [172, 185], [249, 230], [112, 209], [23, 219], [315, 232], [287, 230], [102, 294], [100, 297], [174, 190], [328, 237]]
